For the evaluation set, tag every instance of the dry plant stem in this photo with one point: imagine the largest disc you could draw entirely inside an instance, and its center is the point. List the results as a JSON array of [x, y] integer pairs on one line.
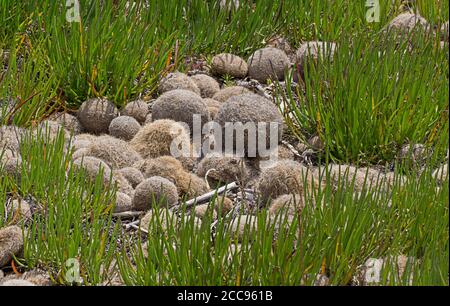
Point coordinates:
[[291, 148], [210, 194]]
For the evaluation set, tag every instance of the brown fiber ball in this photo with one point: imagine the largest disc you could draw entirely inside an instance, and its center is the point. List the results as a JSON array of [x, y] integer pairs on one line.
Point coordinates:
[[253, 109], [285, 177], [49, 131], [229, 64], [10, 137], [124, 127], [177, 80], [123, 202], [166, 218], [11, 244], [289, 205], [228, 92], [268, 63], [69, 122], [203, 211], [155, 190], [122, 184], [213, 107], [93, 166], [243, 227], [10, 163], [115, 152], [358, 178], [310, 52], [96, 115], [170, 168], [165, 166], [192, 186], [81, 141], [133, 175], [208, 86], [155, 139], [222, 205], [222, 169], [180, 105], [407, 22], [137, 109]]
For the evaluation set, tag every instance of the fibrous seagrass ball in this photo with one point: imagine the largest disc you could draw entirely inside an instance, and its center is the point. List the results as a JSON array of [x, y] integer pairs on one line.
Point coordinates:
[[310, 52], [177, 80], [96, 115], [222, 205], [93, 166], [11, 243], [243, 227], [137, 109], [115, 152], [181, 106], [170, 168], [123, 202], [80, 153], [49, 130], [259, 115], [122, 184], [10, 163], [124, 127], [133, 175], [68, 121], [162, 137], [155, 217], [81, 141], [407, 22], [357, 178], [285, 177], [213, 107], [208, 86], [20, 210], [165, 166], [228, 92], [229, 64], [222, 169], [268, 63], [10, 137], [148, 119], [289, 205], [155, 190], [204, 210], [192, 186]]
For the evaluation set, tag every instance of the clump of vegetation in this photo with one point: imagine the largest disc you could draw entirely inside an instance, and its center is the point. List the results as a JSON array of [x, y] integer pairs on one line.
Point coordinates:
[[136, 109], [177, 80], [268, 63], [155, 189], [208, 86], [155, 139], [229, 64], [180, 105], [124, 127]]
